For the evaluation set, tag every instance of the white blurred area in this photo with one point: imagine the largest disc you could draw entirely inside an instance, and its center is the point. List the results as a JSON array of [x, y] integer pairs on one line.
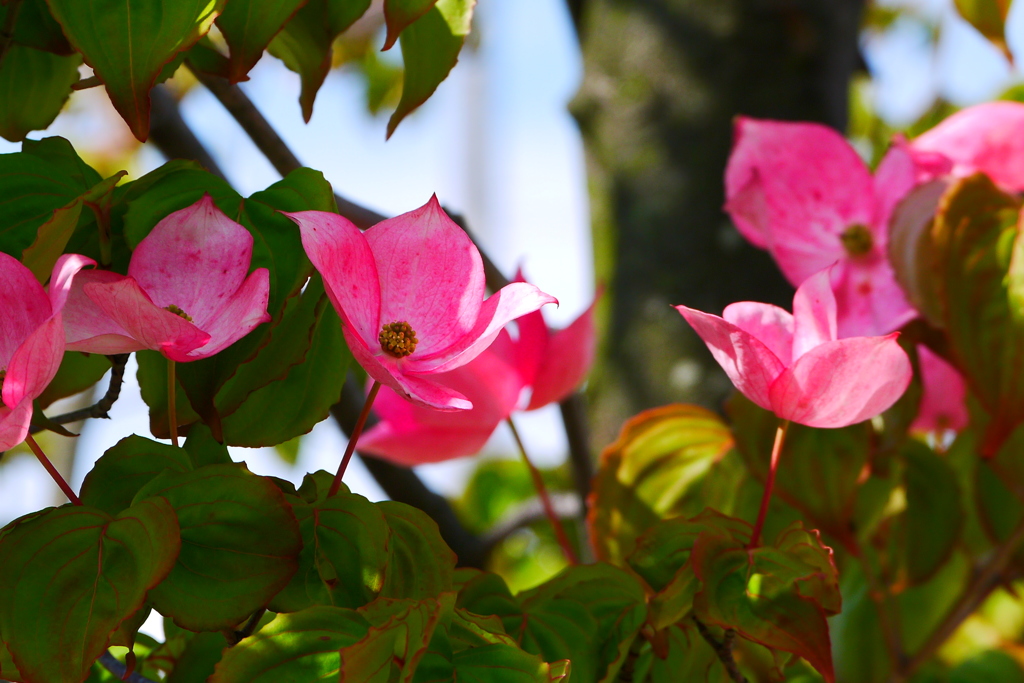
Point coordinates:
[[495, 143]]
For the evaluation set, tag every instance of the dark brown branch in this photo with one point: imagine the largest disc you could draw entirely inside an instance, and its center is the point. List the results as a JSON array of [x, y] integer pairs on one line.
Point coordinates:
[[116, 667], [86, 83], [402, 484], [172, 136], [566, 507], [723, 649], [102, 407], [235, 637]]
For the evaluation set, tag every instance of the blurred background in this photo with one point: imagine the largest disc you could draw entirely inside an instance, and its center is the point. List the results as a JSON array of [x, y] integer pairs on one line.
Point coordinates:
[[584, 140]]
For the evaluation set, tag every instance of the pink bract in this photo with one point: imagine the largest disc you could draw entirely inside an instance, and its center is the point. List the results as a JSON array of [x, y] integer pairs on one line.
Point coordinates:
[[987, 137], [944, 397], [195, 262], [801, 192], [419, 268], [796, 366], [31, 338], [553, 364]]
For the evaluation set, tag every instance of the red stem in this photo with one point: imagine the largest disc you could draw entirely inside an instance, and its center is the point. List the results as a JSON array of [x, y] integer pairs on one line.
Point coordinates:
[[769, 485], [48, 466], [172, 403], [545, 499], [353, 438]]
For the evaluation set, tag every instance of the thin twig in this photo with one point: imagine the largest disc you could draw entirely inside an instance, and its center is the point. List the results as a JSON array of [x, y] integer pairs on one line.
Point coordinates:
[[723, 649], [988, 579], [566, 506], [353, 438], [545, 499], [102, 407], [51, 470], [116, 667], [86, 83]]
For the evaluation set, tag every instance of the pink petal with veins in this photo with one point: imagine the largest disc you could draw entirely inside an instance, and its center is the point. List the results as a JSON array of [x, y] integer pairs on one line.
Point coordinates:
[[86, 326], [814, 314], [769, 324], [510, 302], [944, 399], [793, 188], [24, 306], [987, 137], [341, 254], [65, 270], [195, 259], [431, 276], [244, 310], [570, 353], [125, 302], [34, 363], [843, 382], [15, 423], [869, 301], [747, 361]]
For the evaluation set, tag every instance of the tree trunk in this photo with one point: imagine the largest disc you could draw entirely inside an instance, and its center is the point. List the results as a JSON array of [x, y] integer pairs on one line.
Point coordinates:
[[664, 80]]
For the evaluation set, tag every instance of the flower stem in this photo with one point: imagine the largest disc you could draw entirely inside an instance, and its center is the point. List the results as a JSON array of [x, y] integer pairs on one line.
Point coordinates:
[[545, 499], [48, 466], [172, 403], [769, 484], [354, 438]]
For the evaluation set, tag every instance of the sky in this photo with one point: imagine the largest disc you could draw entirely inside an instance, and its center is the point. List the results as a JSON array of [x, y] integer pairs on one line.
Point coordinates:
[[495, 143]]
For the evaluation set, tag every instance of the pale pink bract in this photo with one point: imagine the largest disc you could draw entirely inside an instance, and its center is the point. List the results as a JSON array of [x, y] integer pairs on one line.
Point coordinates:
[[796, 366], [801, 192], [31, 338], [944, 395], [194, 263], [421, 269]]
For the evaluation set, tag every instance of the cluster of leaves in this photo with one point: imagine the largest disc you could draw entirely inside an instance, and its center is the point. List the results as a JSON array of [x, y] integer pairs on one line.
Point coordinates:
[[136, 44]]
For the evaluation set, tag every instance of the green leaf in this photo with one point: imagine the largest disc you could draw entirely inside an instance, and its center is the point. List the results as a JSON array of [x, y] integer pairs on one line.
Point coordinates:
[[667, 462], [77, 372], [420, 564], [687, 658], [203, 449], [53, 235], [398, 637], [303, 646], [588, 614], [128, 43], [240, 545], [277, 246], [820, 468], [430, 49], [398, 14], [287, 408], [89, 571], [248, 27], [980, 276], [304, 45], [44, 177], [37, 28], [125, 468], [992, 665], [778, 595], [662, 558], [198, 658], [344, 558], [34, 85], [934, 515], [989, 17]]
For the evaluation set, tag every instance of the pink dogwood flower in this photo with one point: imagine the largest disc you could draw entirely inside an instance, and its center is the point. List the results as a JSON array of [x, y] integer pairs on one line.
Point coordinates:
[[31, 338], [796, 366], [987, 137], [188, 293], [552, 364], [944, 397], [801, 192], [410, 294]]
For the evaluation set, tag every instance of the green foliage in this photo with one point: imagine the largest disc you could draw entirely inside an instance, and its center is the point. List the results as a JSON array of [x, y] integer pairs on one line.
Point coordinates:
[[69, 576], [240, 545], [248, 27], [34, 85], [130, 42]]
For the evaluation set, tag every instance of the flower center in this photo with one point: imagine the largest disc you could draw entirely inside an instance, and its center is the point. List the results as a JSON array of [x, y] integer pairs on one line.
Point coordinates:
[[857, 240], [398, 339], [178, 312]]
